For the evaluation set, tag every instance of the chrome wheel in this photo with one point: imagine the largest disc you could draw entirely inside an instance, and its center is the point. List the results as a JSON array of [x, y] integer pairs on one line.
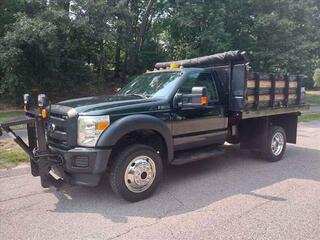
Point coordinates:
[[277, 143], [140, 174]]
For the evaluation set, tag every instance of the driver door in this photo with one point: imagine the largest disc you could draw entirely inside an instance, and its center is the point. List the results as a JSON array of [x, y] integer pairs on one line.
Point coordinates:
[[196, 127]]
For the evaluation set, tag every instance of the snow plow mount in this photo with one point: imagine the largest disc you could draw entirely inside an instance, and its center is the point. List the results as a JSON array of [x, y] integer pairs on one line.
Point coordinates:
[[43, 163]]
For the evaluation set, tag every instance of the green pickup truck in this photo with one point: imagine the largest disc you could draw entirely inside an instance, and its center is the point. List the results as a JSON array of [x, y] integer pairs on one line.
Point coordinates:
[[180, 112]]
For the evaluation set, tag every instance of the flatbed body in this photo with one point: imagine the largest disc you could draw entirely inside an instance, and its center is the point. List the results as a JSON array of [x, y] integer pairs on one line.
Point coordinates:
[[274, 111]]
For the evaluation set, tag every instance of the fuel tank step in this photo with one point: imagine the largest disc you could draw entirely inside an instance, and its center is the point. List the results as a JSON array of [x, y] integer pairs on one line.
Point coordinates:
[[193, 155]]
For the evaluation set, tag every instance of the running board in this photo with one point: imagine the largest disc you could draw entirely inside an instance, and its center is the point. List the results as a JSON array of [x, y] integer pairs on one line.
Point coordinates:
[[197, 154]]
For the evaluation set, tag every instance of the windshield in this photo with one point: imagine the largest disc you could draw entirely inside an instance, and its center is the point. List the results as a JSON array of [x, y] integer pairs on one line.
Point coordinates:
[[157, 84]]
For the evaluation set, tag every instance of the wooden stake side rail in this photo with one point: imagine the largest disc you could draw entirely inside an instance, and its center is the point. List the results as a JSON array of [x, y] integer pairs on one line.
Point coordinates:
[[272, 91]]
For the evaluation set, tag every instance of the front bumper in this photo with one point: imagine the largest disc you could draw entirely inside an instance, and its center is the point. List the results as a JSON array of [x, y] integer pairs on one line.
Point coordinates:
[[83, 166]]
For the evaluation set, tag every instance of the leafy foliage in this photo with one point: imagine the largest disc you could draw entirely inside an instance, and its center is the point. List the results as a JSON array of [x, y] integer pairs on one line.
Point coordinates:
[[61, 46]]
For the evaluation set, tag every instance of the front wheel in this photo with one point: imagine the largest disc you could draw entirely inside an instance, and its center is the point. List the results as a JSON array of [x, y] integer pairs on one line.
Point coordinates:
[[276, 144], [136, 172]]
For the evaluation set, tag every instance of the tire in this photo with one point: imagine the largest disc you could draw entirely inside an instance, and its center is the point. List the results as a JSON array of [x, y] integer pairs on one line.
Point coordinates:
[[276, 144], [136, 172]]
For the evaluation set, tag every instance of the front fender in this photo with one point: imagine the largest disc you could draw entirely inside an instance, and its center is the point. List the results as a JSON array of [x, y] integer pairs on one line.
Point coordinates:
[[131, 123]]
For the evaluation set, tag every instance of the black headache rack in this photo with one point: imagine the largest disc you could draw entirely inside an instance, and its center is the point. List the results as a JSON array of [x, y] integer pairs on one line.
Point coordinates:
[[43, 163]]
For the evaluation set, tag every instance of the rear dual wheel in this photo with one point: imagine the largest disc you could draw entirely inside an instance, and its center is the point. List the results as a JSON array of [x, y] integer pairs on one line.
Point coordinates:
[[136, 172], [276, 144]]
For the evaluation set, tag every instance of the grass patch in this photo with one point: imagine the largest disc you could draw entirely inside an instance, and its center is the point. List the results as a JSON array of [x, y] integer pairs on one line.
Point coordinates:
[[313, 99], [11, 155], [308, 117], [4, 116]]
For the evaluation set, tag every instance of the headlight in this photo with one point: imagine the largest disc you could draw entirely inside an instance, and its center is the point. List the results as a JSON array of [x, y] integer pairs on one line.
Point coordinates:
[[90, 129]]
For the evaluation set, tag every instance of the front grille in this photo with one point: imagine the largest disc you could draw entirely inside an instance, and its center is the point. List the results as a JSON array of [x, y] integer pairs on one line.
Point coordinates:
[[57, 130], [61, 128], [59, 115], [58, 142]]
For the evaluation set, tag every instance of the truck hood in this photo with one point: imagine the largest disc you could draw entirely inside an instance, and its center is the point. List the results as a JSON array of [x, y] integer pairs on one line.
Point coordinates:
[[110, 104]]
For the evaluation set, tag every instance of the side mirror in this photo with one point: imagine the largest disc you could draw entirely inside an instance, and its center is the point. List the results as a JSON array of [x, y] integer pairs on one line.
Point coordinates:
[[197, 99]]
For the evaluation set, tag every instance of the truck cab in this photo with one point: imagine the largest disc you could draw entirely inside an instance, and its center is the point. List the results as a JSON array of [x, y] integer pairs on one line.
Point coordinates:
[[157, 110]]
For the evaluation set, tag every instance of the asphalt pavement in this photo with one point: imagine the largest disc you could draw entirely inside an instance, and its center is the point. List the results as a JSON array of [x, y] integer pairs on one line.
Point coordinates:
[[21, 133], [233, 196]]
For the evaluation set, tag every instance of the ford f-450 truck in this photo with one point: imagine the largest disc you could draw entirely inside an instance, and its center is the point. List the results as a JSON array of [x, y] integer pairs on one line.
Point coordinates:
[[180, 112]]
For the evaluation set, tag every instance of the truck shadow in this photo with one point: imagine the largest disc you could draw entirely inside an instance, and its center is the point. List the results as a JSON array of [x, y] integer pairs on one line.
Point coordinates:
[[196, 185]]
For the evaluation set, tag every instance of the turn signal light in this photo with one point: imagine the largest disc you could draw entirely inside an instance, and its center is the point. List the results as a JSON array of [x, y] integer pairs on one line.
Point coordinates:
[[204, 101], [44, 113], [101, 126]]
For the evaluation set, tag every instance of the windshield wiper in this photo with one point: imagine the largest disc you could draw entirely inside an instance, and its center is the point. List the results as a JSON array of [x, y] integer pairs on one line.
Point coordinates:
[[136, 95]]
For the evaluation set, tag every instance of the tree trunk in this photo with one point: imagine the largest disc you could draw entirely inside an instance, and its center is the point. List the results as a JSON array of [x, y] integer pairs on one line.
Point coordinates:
[[117, 55], [121, 4], [101, 62], [142, 31], [126, 61]]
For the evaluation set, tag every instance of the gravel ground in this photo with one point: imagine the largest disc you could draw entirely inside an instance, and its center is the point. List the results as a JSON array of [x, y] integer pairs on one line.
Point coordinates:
[[235, 196]]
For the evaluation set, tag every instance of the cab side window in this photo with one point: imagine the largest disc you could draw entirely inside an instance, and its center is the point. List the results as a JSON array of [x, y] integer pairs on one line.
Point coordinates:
[[201, 80]]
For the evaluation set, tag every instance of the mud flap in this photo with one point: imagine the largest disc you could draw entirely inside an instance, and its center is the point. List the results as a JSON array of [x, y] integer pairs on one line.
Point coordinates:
[[254, 134]]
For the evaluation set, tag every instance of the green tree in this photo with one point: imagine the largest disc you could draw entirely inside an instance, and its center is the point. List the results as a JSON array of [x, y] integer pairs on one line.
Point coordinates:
[[38, 52], [7, 11], [285, 34], [60, 45], [194, 28]]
